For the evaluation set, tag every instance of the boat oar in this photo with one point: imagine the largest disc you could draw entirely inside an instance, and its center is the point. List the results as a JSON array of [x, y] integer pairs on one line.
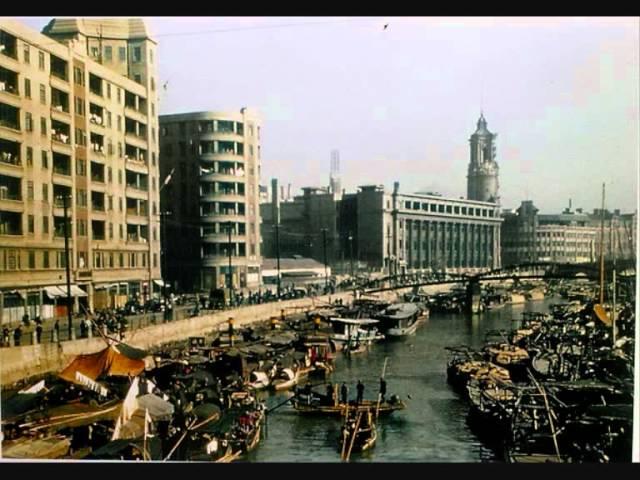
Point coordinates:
[[281, 404]]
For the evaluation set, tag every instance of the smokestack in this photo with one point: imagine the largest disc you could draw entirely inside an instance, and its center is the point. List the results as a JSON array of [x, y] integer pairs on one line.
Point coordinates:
[[289, 192], [396, 187], [569, 204], [282, 192]]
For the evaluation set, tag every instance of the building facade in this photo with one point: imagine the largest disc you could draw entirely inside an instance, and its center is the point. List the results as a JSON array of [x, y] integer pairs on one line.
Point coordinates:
[[559, 238], [390, 232], [77, 121], [213, 193]]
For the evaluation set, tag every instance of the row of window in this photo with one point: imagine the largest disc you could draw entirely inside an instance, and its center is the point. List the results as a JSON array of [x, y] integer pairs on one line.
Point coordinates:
[[134, 232], [451, 209], [13, 259], [106, 55]]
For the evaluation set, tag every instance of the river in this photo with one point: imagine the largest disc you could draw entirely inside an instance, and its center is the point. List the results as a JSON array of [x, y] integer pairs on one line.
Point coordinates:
[[432, 428]]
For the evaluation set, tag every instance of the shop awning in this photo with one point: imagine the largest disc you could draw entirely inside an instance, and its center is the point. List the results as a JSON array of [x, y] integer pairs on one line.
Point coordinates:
[[160, 283], [61, 291]]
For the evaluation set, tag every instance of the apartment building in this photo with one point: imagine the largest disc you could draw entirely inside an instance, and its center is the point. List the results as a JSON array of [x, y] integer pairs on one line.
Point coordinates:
[[78, 121], [210, 207]]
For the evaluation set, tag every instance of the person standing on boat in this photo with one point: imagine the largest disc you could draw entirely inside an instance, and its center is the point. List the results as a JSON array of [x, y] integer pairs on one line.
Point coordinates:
[[360, 389], [383, 389], [330, 394], [344, 393]]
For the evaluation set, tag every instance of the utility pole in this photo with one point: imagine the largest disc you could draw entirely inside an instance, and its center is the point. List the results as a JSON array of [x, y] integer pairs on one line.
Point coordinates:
[[163, 218], [230, 270], [324, 246], [68, 267], [278, 256], [602, 249], [351, 252]]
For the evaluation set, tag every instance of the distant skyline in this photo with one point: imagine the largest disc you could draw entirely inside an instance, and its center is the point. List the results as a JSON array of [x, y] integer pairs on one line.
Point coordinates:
[[401, 103]]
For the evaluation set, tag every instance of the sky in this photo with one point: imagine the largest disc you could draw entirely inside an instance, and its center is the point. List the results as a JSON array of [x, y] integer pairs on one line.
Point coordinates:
[[401, 103]]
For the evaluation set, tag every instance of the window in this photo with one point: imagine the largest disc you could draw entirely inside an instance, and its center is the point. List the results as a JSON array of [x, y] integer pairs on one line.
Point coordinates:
[[95, 52], [108, 119], [111, 204], [108, 90], [45, 259], [81, 167], [43, 126], [119, 123], [108, 54], [120, 239], [110, 226], [30, 190], [119, 92], [30, 223], [120, 177], [27, 56], [121, 255], [164, 131], [153, 109], [120, 203], [45, 193], [122, 54], [45, 224], [81, 137], [28, 121], [27, 88], [32, 259], [78, 76], [137, 78], [41, 60], [151, 56], [45, 159], [137, 55], [120, 149], [153, 84], [29, 156], [153, 159], [79, 106], [43, 94]]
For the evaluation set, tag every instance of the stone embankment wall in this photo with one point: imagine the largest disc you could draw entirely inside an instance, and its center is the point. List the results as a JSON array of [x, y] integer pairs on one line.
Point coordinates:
[[17, 363]]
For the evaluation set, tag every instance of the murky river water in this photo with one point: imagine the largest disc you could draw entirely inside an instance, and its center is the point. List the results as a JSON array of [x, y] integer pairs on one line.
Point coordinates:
[[432, 428]]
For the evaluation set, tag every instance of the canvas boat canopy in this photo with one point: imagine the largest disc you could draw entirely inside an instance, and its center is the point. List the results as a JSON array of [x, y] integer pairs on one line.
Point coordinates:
[[120, 360]]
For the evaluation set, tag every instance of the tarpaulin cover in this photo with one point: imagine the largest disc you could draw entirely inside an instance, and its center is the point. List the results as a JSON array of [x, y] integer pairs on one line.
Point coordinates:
[[110, 362]]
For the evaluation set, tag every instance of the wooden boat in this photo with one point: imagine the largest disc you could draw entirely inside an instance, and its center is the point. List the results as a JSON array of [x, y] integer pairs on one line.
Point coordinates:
[[401, 319], [285, 379], [358, 433], [349, 331], [340, 409]]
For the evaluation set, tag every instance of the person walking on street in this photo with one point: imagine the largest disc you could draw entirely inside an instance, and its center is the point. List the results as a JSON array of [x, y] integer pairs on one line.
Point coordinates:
[[17, 333], [5, 337], [383, 389], [38, 333], [56, 330], [360, 390]]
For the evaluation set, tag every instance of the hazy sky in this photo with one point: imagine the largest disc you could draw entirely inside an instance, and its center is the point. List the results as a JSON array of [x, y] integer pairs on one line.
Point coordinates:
[[400, 104]]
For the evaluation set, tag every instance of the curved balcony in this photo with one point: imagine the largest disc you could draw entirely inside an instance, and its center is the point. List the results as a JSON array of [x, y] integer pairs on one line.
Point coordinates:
[[222, 238], [221, 197], [222, 261], [229, 136], [223, 176], [222, 217]]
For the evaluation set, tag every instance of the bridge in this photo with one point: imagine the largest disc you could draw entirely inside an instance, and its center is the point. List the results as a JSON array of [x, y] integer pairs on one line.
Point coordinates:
[[626, 269]]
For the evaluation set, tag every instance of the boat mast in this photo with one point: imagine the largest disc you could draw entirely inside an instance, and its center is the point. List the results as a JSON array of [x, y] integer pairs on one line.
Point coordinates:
[[602, 249]]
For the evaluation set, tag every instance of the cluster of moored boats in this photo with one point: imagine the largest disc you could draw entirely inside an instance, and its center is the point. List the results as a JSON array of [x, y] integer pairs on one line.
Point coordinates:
[[558, 388], [198, 400]]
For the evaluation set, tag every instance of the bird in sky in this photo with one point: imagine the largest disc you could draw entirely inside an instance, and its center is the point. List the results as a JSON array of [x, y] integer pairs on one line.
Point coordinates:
[[385, 27], [165, 85]]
